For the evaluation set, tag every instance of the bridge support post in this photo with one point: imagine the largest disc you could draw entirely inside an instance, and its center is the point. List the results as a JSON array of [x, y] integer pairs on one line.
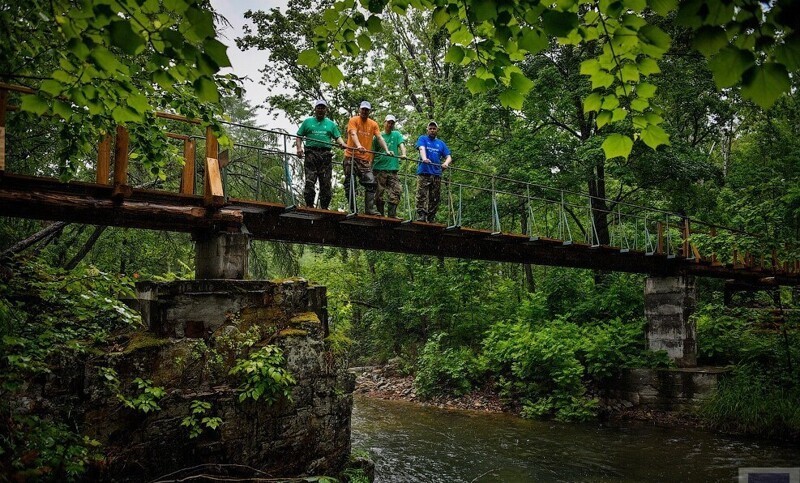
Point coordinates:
[[668, 304], [221, 255]]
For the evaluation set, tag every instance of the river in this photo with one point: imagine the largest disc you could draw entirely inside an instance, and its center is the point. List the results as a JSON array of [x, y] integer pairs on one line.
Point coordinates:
[[410, 443]]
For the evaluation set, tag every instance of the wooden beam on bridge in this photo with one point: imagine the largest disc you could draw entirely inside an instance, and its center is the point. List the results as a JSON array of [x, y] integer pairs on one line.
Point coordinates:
[[103, 160], [213, 195], [187, 176], [121, 188], [133, 214]]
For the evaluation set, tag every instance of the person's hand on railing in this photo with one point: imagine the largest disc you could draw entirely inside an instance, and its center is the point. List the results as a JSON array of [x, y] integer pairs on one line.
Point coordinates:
[[300, 153]]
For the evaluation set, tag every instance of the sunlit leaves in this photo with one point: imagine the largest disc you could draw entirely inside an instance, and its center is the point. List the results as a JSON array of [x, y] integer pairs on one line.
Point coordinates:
[[309, 58], [331, 75], [654, 136], [617, 145]]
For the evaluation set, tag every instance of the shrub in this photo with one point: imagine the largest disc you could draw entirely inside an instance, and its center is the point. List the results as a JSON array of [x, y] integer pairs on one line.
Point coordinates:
[[448, 370]]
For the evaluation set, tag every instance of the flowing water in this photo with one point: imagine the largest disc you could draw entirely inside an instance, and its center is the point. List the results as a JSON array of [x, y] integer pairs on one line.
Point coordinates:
[[410, 443]]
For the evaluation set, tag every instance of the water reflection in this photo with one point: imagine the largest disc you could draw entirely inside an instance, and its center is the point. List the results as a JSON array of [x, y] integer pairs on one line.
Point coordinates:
[[409, 443]]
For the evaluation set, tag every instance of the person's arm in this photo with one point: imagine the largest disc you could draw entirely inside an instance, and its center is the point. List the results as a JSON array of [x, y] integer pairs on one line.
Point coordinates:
[[341, 142], [403, 150], [298, 141], [384, 146], [352, 133], [423, 155], [447, 161]]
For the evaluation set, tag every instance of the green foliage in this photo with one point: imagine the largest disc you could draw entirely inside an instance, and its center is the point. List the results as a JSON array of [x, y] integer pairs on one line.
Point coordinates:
[[197, 420], [748, 401], [48, 314], [746, 42], [39, 449], [263, 376], [147, 399], [444, 370]]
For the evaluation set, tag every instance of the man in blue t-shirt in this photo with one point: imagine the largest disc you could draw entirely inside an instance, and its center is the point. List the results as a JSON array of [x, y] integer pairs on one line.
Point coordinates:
[[429, 172]]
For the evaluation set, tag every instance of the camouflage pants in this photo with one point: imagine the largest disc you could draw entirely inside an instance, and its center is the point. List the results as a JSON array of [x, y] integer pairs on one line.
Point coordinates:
[[388, 184], [429, 189], [318, 166], [358, 170]]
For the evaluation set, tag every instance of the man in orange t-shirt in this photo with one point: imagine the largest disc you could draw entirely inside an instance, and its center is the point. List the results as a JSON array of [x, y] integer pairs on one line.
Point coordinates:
[[361, 130]]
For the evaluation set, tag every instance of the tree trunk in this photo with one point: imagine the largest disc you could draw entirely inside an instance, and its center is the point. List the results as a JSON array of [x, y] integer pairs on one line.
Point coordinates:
[[87, 247], [46, 232]]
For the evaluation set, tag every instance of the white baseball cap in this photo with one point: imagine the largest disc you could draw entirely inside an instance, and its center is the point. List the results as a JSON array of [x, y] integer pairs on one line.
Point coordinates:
[[390, 118], [365, 105], [320, 102]]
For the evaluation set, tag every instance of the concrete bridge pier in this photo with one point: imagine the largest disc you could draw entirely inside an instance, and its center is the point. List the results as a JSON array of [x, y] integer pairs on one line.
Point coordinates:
[[221, 255], [668, 304]]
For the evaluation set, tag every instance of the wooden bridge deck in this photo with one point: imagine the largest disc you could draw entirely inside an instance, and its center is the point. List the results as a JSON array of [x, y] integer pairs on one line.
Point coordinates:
[[99, 204]]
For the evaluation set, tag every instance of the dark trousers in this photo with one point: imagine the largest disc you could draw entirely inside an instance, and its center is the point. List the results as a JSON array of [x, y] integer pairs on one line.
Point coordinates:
[[389, 187], [318, 166], [429, 189], [358, 170]]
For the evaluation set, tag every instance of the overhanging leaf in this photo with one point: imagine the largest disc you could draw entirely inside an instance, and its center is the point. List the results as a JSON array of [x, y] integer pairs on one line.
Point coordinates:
[[663, 7], [592, 102], [617, 145], [558, 23], [520, 83], [654, 136], [34, 104], [729, 65], [331, 74], [511, 98], [484, 10], [124, 37], [708, 40], [455, 54], [532, 40], [764, 84], [308, 57]]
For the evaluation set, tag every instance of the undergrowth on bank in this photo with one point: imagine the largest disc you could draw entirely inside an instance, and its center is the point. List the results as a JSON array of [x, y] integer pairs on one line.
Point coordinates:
[[49, 314], [761, 395]]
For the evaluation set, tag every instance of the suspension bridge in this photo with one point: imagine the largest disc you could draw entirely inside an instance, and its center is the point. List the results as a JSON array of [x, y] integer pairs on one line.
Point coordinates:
[[253, 187]]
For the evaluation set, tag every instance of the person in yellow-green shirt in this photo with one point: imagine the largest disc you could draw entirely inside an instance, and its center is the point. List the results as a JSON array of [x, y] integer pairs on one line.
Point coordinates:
[[319, 132], [386, 167]]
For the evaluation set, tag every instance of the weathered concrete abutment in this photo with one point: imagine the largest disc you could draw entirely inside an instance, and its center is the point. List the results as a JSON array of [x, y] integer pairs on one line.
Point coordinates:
[[668, 305], [197, 331]]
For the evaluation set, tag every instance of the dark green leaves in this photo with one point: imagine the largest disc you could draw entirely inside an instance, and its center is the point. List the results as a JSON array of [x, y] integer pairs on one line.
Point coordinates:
[[729, 65], [764, 84], [559, 24], [124, 37]]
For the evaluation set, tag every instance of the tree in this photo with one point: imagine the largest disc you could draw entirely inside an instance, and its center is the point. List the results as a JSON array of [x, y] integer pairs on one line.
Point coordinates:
[[747, 43], [98, 64]]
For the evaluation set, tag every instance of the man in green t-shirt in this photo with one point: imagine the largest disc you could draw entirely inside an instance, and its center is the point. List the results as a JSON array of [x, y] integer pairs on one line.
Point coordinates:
[[320, 134], [386, 167]]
